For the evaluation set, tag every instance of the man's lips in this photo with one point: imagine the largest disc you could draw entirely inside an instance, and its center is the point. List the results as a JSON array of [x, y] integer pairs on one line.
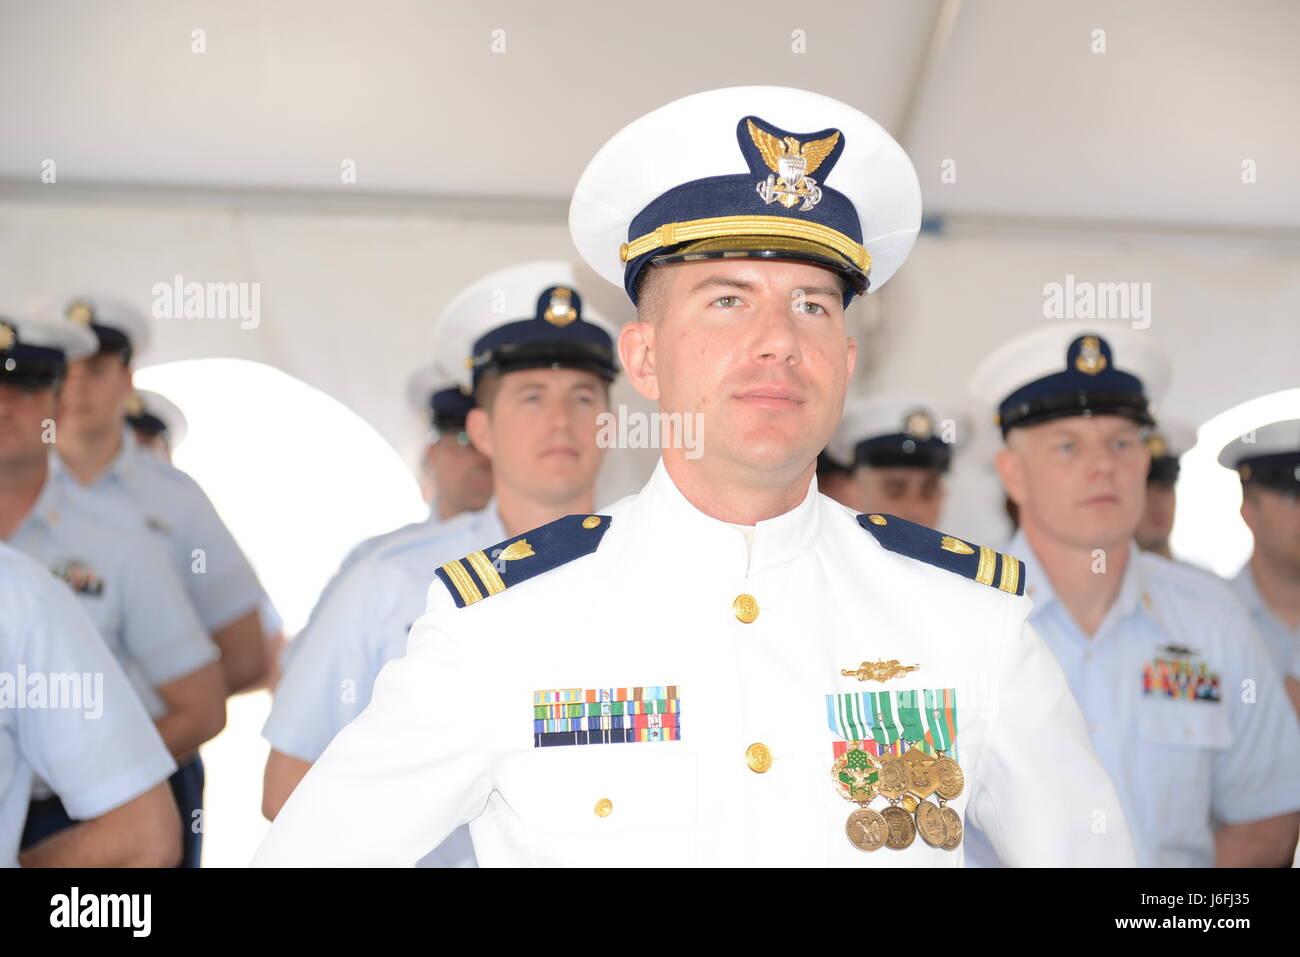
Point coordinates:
[[771, 397], [1101, 500], [560, 450]]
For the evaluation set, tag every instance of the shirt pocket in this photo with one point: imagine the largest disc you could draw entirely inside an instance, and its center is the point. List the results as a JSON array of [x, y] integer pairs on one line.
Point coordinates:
[[607, 805], [1201, 725]]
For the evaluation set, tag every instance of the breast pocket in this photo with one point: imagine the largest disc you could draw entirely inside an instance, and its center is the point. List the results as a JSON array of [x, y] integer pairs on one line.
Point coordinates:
[[607, 805], [1171, 765]]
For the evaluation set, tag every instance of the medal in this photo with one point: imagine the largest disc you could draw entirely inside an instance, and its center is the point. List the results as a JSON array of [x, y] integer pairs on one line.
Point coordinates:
[[930, 824], [878, 725], [901, 829], [950, 779], [856, 774], [952, 828], [866, 829]]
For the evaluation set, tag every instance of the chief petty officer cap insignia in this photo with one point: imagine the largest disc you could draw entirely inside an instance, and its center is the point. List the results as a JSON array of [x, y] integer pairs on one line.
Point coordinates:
[[527, 316], [979, 562], [1167, 443], [491, 571], [890, 430], [118, 326], [749, 172], [1268, 456], [35, 352], [1063, 369]]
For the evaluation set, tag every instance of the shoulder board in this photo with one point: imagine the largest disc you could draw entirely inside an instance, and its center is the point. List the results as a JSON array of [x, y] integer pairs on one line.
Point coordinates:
[[491, 571], [978, 562]]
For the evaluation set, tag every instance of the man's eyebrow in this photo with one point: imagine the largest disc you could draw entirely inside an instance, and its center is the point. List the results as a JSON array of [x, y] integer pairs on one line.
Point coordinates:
[[819, 291], [722, 281]]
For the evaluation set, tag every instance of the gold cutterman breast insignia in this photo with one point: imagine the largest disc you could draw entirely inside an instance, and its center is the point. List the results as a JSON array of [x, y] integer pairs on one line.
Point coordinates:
[[879, 670]]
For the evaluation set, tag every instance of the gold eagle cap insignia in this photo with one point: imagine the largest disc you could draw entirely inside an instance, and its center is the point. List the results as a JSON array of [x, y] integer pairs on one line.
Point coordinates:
[[879, 670], [1090, 359], [792, 164]]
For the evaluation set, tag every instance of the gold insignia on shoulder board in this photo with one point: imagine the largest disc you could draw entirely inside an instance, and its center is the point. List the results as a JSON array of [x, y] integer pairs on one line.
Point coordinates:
[[956, 546], [1090, 361], [7, 337], [879, 670], [517, 550]]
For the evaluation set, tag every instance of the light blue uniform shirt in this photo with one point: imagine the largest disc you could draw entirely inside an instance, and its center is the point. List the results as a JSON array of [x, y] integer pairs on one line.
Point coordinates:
[[369, 546], [173, 506], [123, 579], [1182, 767], [1283, 642], [356, 629], [88, 736]]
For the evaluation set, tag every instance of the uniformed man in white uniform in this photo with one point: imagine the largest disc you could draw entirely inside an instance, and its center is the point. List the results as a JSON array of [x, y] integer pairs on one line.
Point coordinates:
[[1185, 709], [900, 455], [1268, 462], [97, 451], [96, 748], [118, 570], [1167, 442], [542, 364], [727, 668]]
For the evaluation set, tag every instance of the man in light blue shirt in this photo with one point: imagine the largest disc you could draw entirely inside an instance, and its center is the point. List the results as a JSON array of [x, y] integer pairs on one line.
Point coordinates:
[[541, 386], [99, 452], [69, 716], [117, 570], [455, 477], [1185, 710], [1267, 460]]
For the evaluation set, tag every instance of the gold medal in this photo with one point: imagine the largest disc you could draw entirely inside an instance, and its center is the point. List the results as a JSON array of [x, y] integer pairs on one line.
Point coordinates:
[[893, 776], [856, 775], [901, 829], [952, 828], [949, 776], [930, 823], [866, 829], [921, 777]]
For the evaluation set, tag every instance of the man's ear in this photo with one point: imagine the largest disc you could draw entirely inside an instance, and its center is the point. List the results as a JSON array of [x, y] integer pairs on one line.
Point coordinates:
[[477, 427], [636, 353], [1011, 470], [852, 349]]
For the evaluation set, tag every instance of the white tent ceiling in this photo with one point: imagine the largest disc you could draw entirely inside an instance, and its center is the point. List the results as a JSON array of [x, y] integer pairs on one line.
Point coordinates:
[[1154, 130]]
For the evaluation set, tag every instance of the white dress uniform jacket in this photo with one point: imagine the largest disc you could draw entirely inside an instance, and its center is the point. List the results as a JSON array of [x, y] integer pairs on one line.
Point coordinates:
[[450, 738]]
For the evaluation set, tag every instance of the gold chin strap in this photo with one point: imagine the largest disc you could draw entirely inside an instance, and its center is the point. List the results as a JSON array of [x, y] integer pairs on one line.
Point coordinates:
[[670, 234]]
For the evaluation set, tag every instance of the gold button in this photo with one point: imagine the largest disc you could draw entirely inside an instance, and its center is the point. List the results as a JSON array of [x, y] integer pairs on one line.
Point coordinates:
[[910, 803], [604, 807], [745, 607], [759, 757], [877, 520], [591, 521]]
